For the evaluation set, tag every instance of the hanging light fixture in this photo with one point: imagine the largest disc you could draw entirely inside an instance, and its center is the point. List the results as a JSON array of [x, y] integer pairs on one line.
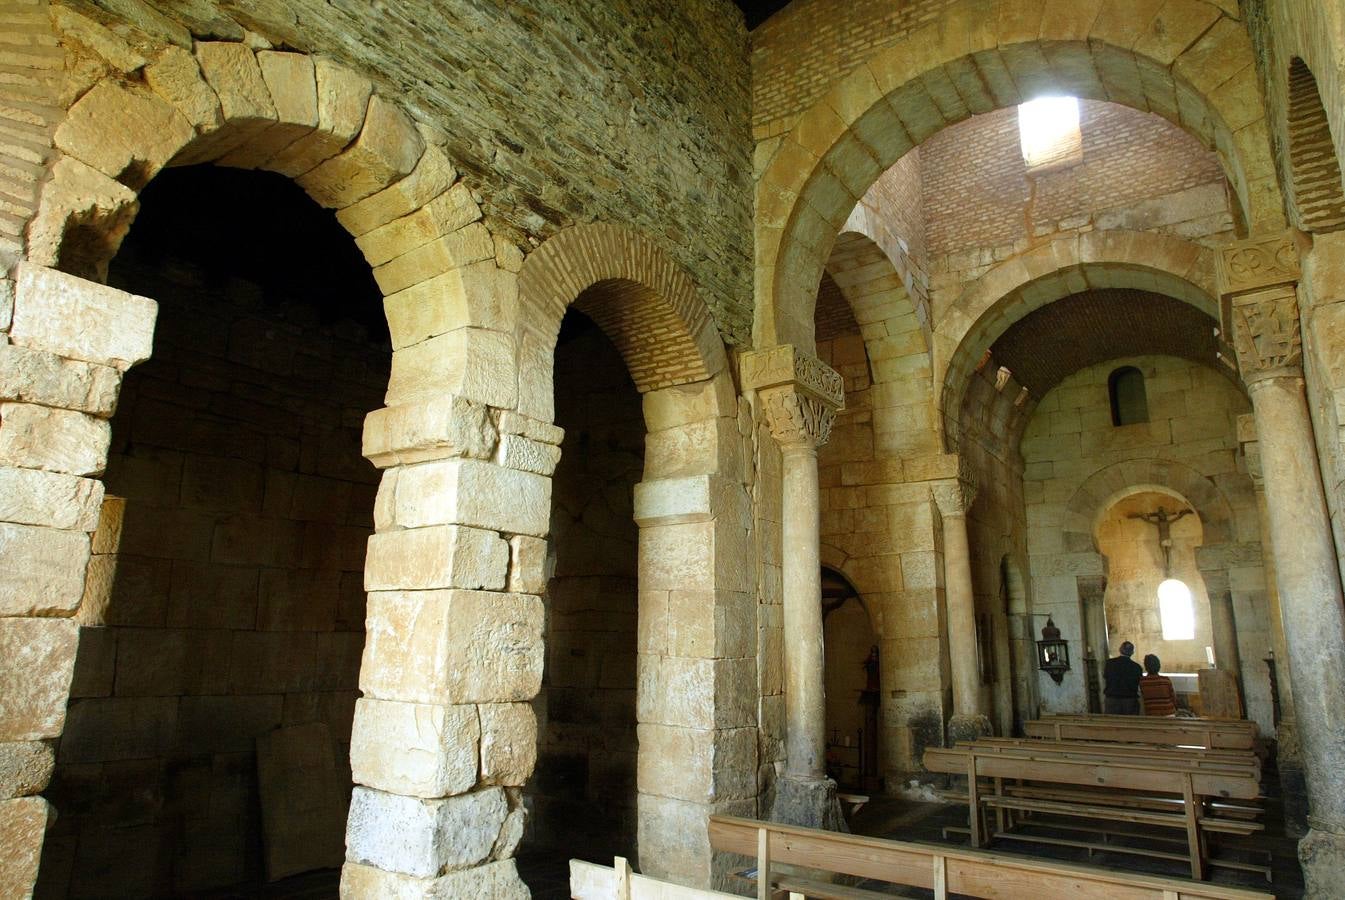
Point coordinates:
[[1052, 652]]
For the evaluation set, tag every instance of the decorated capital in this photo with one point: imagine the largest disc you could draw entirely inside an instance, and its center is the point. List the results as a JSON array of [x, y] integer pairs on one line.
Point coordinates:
[[1258, 286], [799, 394], [954, 496]]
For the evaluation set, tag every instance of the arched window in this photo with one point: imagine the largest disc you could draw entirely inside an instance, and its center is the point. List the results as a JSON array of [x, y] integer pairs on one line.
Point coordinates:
[[1128, 403]]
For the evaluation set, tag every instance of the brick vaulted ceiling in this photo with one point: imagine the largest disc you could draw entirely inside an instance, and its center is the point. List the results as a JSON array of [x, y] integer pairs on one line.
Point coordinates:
[[1044, 348]]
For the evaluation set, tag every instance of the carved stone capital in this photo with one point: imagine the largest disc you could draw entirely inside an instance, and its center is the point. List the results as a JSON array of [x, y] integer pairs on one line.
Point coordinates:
[[1266, 334], [1258, 308], [954, 496], [799, 393], [796, 417]]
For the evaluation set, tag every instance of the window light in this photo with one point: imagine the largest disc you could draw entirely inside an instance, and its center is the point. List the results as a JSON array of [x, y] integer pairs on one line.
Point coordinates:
[[1175, 610], [1048, 129]]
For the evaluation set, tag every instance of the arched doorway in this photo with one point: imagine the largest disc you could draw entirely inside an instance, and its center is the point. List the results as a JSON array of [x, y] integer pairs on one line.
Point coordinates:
[[208, 730], [852, 678], [583, 791]]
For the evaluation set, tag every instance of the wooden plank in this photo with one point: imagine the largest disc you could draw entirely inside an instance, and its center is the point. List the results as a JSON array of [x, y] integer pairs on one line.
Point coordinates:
[[1143, 733], [977, 873], [1228, 724], [1132, 776], [1193, 842], [763, 864], [589, 881], [940, 878]]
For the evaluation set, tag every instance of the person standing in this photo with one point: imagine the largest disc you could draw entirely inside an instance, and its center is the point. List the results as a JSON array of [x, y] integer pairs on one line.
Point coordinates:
[[1121, 675], [1160, 698]]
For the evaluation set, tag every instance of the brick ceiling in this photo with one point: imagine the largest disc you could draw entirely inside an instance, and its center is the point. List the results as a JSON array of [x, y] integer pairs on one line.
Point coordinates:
[[1047, 346]]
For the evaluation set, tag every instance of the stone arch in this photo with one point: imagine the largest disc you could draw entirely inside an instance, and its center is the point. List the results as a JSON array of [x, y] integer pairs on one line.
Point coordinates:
[[634, 291], [693, 511], [1106, 486], [1190, 63], [308, 118], [1314, 170], [1018, 286], [839, 562]]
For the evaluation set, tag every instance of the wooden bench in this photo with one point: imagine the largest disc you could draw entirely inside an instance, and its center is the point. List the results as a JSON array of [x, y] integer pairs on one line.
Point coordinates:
[[1041, 763], [943, 870], [1216, 734]]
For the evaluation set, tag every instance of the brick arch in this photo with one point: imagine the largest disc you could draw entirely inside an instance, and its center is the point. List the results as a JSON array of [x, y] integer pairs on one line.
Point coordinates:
[[1190, 63], [1315, 179], [1106, 486], [640, 297], [310, 119], [1019, 286]]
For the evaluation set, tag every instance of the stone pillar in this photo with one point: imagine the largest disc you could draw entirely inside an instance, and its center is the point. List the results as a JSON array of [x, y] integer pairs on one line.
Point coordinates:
[[800, 397], [1093, 596], [969, 721], [1288, 759], [69, 342], [1258, 282]]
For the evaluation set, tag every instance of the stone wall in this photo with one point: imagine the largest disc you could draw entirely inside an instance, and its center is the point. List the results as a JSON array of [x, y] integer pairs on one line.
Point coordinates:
[[1075, 459], [582, 794], [879, 529], [558, 113], [225, 598]]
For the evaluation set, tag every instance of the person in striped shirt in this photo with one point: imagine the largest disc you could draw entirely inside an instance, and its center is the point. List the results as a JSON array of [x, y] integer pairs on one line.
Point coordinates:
[[1156, 691]]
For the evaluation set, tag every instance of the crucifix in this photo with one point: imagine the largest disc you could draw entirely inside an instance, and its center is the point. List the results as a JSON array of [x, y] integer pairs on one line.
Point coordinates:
[[1163, 520]]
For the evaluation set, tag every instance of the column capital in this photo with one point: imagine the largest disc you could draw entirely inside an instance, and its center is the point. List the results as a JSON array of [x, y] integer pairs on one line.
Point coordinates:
[[1258, 308], [799, 393], [954, 496]]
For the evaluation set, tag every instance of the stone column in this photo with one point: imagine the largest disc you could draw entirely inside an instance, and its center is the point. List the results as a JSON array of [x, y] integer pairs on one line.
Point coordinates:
[[1258, 281], [969, 720], [800, 397], [1288, 759]]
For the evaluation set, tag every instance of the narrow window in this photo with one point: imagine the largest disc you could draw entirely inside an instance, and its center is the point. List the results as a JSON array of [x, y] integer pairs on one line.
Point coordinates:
[[1128, 403], [1175, 611], [1048, 129]]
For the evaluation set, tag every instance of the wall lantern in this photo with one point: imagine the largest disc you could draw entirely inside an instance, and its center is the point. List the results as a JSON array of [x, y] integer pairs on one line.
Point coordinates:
[[1052, 652]]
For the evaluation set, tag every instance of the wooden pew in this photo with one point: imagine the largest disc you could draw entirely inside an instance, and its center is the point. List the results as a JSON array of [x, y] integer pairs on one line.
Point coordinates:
[[1041, 763], [1216, 734], [943, 870]]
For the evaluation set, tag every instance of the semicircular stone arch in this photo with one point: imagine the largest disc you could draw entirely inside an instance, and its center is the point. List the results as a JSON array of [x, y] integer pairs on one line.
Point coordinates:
[[1105, 487], [635, 292], [1191, 63], [1017, 287], [1315, 177], [307, 118]]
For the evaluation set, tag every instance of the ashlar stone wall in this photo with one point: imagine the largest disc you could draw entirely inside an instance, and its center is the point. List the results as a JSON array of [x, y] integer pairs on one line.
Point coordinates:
[[225, 596], [1077, 463]]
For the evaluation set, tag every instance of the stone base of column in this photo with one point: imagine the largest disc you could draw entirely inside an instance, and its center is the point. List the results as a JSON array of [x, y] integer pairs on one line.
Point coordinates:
[[1322, 856], [497, 879], [1293, 797], [810, 803], [968, 728]]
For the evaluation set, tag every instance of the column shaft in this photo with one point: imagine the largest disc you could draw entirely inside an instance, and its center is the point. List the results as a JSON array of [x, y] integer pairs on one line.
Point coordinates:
[[805, 702], [1309, 588], [961, 601]]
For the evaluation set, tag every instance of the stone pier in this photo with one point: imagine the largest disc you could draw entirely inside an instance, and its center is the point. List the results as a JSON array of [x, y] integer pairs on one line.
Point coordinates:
[[800, 397], [1258, 281]]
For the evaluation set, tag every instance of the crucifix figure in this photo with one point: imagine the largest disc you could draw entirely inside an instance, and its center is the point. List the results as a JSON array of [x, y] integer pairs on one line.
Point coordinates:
[[1163, 520]]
